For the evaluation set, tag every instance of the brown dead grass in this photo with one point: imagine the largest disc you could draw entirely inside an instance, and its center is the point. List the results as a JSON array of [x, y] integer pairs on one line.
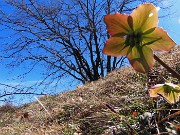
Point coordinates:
[[83, 110]]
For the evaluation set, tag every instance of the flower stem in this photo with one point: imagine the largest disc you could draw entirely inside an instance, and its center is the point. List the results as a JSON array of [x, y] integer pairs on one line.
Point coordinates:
[[174, 73]]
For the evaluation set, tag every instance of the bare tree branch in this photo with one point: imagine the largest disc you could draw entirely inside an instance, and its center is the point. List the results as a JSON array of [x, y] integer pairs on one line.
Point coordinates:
[[66, 37]]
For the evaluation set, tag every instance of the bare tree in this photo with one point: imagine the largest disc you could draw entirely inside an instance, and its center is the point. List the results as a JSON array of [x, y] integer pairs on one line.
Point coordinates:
[[65, 37]]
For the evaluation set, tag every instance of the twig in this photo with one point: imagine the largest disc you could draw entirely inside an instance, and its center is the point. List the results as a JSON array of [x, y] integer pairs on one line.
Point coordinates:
[[157, 127], [174, 73], [163, 133], [162, 109], [169, 116], [43, 106]]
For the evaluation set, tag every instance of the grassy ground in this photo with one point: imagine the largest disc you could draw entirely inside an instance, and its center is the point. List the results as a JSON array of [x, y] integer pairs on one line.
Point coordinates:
[[84, 111]]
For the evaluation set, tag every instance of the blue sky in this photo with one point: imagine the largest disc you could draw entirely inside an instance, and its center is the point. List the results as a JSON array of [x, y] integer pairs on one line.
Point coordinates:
[[170, 23]]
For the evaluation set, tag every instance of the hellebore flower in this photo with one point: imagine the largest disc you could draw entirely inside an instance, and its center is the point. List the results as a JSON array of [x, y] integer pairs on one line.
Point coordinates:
[[136, 35], [169, 91]]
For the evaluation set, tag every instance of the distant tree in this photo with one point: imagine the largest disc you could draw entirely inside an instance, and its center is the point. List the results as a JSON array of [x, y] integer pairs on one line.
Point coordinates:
[[66, 37]]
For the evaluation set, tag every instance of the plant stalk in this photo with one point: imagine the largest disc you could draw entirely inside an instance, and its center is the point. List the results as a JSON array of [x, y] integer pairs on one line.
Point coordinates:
[[121, 119], [174, 73]]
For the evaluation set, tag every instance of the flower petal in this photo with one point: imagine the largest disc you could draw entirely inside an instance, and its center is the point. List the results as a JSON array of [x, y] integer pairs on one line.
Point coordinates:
[[141, 58], [117, 24], [155, 91], [170, 92], [144, 17], [158, 40], [115, 47]]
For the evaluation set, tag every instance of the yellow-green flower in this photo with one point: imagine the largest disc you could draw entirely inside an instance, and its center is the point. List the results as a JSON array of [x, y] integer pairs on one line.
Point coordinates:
[[169, 91], [136, 35]]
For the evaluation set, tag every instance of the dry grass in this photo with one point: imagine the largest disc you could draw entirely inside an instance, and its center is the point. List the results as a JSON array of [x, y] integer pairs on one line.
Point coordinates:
[[83, 111]]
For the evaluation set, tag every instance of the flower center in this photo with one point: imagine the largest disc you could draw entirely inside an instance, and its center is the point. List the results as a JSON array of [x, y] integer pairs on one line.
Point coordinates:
[[133, 39]]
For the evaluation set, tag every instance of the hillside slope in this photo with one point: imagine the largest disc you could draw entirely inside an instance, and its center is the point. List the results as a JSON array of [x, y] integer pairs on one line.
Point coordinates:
[[84, 111]]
